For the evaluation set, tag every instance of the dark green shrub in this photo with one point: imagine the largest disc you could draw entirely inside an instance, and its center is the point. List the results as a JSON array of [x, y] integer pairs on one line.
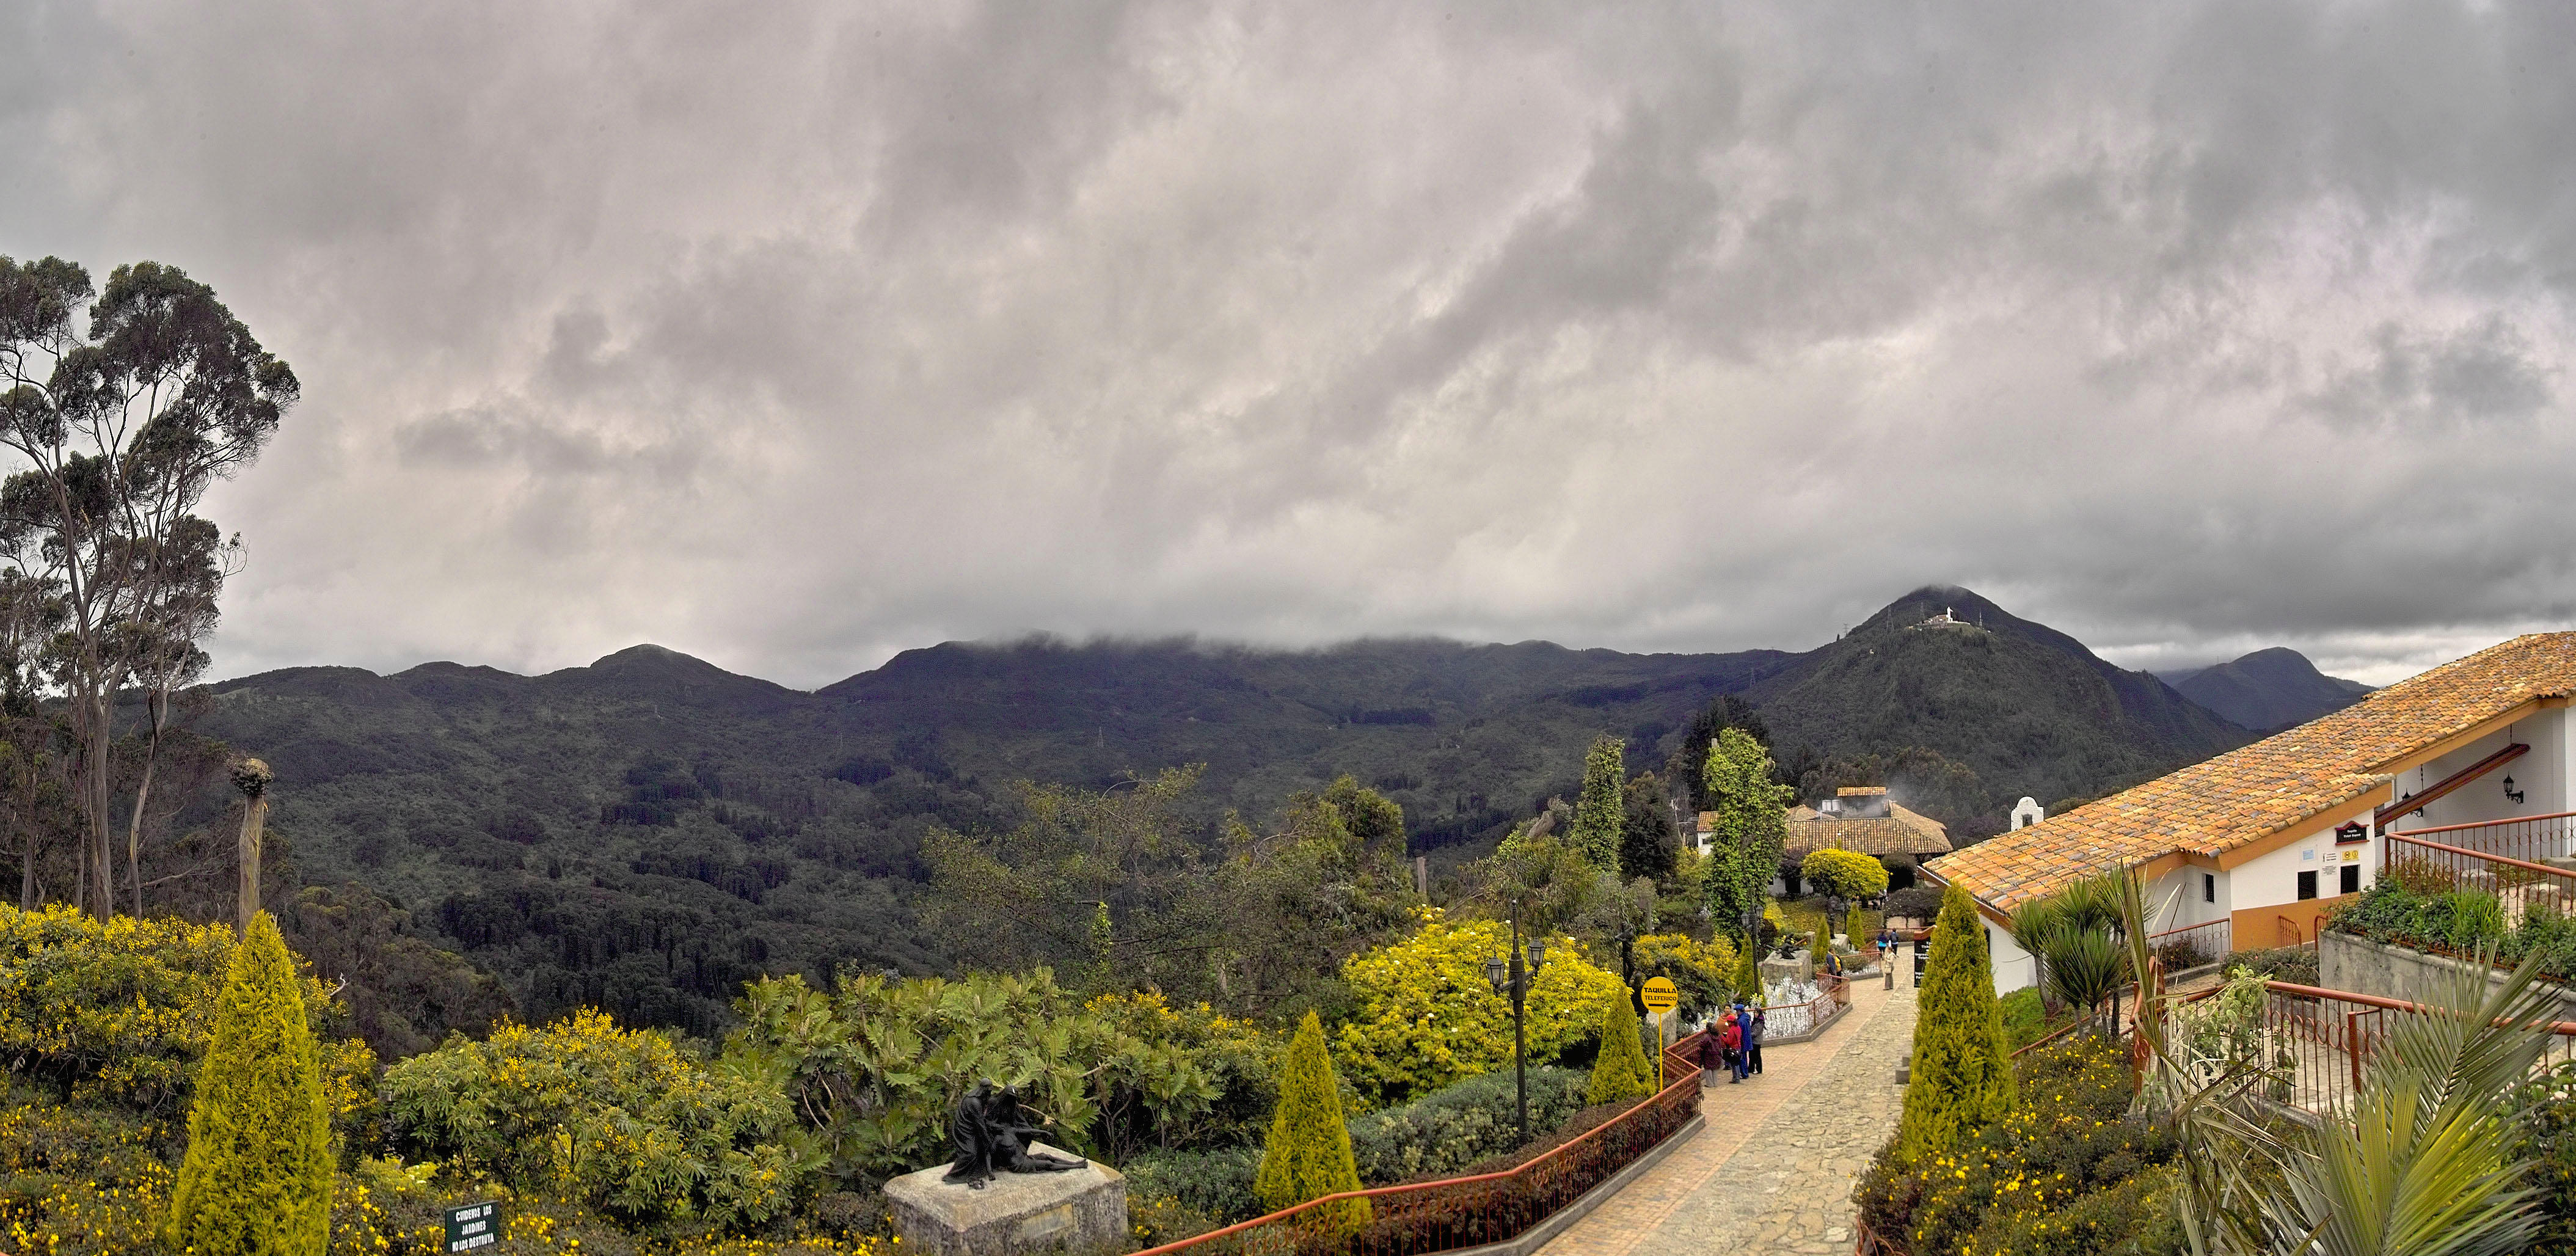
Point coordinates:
[[2294, 964], [2025, 1018], [2071, 1138], [2546, 1134], [1918, 902], [1215, 1185], [2547, 933], [1450, 1129], [2386, 912]]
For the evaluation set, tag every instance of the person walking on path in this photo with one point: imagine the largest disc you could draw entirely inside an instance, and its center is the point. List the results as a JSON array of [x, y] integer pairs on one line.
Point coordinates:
[[1753, 1043], [1732, 1039], [1744, 1042]]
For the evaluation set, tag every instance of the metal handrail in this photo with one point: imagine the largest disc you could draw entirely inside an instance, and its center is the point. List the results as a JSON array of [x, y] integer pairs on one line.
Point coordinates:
[[2412, 840], [1672, 1093], [2480, 824]]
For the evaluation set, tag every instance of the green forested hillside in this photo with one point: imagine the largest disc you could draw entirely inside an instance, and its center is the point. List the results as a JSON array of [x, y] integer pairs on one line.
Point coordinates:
[[2269, 689], [2029, 709], [644, 833]]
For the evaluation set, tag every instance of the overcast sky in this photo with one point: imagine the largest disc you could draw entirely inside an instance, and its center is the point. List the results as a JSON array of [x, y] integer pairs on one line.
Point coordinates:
[[792, 336]]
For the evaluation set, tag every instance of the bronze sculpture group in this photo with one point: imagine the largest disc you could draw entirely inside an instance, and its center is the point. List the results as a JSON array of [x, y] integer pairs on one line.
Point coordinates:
[[992, 1133]]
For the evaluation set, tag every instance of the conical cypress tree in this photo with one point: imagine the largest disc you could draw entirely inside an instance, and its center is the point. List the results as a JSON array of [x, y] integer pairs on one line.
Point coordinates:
[[1309, 1153], [1620, 1071], [1748, 977], [1601, 811], [1962, 1077], [257, 1177]]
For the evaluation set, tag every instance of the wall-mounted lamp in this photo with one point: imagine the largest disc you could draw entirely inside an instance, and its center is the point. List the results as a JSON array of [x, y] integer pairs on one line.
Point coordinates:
[[2510, 791]]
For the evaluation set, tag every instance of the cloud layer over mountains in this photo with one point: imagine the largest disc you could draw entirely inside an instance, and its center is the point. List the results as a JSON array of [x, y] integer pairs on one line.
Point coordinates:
[[792, 335]]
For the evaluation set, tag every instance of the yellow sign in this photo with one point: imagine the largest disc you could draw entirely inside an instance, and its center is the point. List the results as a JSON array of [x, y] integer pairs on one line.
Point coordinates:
[[1661, 995]]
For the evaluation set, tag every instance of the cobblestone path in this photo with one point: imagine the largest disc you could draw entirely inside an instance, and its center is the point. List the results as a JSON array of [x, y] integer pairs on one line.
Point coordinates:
[[1772, 1171]]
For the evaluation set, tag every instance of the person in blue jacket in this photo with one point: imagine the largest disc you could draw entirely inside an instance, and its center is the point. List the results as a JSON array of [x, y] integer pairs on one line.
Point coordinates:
[[1743, 1054]]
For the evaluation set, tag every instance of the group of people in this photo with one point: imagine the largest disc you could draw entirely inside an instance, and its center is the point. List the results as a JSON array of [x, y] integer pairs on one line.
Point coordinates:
[[1734, 1043]]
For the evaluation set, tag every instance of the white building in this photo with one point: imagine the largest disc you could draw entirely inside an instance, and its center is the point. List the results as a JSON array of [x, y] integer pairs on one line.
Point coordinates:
[[2249, 849]]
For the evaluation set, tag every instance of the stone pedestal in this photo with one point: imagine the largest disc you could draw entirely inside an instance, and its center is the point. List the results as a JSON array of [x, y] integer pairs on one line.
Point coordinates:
[[1078, 1211], [1800, 967]]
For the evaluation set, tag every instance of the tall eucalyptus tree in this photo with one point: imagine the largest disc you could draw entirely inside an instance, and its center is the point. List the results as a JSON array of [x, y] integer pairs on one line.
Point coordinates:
[[119, 432]]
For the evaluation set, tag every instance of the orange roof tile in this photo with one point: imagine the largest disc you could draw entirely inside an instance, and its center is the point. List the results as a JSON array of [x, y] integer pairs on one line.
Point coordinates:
[[2255, 791], [1899, 832]]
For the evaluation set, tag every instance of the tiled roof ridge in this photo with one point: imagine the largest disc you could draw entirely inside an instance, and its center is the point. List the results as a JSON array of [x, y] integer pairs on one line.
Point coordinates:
[[2254, 790]]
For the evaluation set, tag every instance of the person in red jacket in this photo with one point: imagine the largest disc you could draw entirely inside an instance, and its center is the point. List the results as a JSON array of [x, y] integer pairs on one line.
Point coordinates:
[[1733, 1040]]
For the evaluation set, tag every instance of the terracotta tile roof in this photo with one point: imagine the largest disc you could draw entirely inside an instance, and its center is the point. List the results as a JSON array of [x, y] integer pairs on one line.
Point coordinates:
[[1899, 832], [2253, 792], [1860, 791]]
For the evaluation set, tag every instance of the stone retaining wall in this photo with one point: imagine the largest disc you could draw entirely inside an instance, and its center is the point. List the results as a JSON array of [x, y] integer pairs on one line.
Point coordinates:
[[2350, 962]]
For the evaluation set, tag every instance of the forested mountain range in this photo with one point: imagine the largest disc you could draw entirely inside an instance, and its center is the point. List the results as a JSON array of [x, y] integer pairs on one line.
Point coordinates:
[[645, 832]]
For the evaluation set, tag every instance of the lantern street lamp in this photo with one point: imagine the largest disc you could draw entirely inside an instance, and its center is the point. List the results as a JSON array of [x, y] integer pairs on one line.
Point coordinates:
[[1508, 978]]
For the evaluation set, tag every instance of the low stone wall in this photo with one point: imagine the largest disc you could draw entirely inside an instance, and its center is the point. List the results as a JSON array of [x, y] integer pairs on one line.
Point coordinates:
[[2349, 962]]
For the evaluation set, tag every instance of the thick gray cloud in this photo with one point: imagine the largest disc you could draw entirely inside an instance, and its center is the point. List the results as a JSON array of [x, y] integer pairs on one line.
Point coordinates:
[[792, 336]]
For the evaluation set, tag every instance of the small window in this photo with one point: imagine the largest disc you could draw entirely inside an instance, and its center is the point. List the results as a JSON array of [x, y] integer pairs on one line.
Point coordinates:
[[2307, 885], [2351, 874], [2208, 887]]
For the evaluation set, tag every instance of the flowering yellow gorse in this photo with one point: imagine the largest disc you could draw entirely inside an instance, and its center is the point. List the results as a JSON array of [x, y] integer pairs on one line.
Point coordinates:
[[119, 1011], [623, 1120], [1428, 1016]]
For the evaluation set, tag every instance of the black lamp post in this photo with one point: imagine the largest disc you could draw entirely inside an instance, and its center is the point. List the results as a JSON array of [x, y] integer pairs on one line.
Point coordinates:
[[1509, 978]]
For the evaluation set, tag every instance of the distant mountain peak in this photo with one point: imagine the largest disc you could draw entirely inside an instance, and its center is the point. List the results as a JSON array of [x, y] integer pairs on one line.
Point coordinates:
[[647, 652], [2269, 689]]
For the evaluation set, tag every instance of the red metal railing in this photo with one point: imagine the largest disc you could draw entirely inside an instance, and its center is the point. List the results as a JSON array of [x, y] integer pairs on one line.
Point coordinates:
[[2517, 883], [1454, 1213], [2536, 839], [2205, 943], [2317, 1044]]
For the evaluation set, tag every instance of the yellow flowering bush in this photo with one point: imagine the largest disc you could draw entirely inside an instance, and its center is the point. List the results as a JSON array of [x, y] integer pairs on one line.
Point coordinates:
[[119, 1011], [624, 1120], [1428, 1017], [79, 1181], [387, 1208], [1702, 971]]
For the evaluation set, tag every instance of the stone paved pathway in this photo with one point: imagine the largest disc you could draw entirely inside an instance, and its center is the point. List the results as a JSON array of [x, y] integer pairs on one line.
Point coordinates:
[[1772, 1171]]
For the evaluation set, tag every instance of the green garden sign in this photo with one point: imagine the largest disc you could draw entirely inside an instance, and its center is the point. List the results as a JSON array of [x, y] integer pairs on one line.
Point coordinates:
[[473, 1226]]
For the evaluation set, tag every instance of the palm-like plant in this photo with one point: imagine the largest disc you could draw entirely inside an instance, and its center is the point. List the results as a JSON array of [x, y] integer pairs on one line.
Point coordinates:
[[2420, 1162], [2075, 934]]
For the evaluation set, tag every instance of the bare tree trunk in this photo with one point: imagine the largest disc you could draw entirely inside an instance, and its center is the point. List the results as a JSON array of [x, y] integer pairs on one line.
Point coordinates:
[[160, 705], [254, 818], [95, 781], [26, 867]]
